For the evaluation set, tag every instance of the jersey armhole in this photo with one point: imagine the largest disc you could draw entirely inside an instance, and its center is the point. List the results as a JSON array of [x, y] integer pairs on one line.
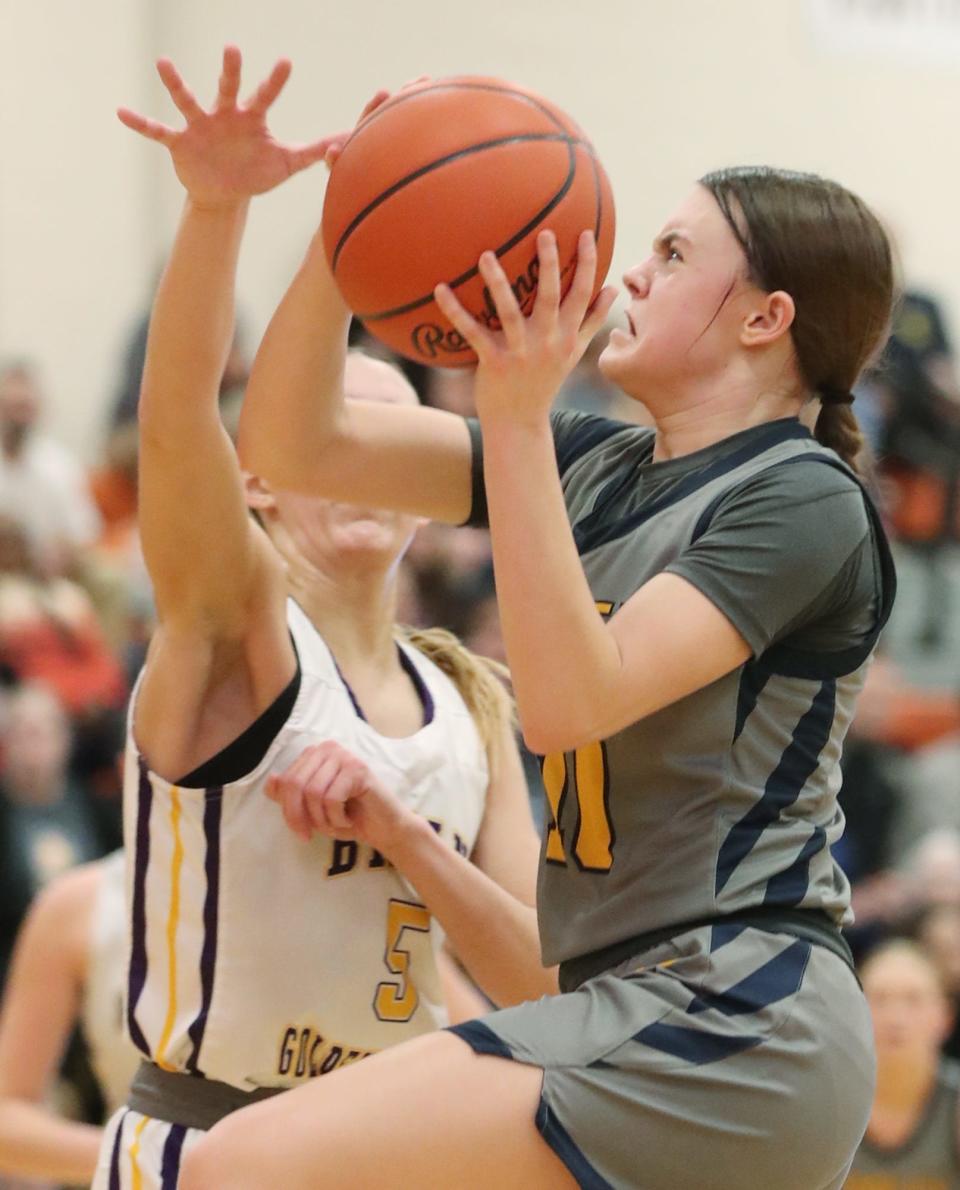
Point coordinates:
[[243, 754]]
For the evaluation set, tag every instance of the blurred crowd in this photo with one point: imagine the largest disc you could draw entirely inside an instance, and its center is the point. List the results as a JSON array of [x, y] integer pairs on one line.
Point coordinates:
[[76, 612]]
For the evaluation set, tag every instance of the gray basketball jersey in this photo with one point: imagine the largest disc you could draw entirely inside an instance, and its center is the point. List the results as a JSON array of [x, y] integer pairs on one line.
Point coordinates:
[[928, 1159], [725, 800]]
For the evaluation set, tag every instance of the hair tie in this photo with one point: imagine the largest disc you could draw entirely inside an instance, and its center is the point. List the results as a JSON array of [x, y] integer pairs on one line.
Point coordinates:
[[835, 396]]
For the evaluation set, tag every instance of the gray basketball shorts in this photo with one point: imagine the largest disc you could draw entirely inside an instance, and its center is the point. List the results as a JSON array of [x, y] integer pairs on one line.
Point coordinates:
[[728, 1058]]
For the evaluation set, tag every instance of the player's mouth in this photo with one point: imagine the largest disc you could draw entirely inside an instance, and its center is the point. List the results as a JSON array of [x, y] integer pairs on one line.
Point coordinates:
[[633, 329]]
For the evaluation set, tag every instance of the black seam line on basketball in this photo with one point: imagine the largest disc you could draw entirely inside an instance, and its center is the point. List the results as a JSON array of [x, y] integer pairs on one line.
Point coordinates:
[[396, 100], [598, 191], [504, 248], [382, 197]]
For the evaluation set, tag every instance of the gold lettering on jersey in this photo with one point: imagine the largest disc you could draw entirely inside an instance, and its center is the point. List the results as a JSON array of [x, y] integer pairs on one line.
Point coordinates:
[[305, 1053], [584, 774], [349, 856]]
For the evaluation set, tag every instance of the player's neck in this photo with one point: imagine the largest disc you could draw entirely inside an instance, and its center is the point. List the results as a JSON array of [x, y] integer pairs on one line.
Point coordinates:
[[353, 614], [693, 411], [681, 431]]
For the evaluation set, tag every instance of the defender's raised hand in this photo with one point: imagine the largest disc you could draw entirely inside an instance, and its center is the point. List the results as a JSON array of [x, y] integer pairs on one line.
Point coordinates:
[[226, 154]]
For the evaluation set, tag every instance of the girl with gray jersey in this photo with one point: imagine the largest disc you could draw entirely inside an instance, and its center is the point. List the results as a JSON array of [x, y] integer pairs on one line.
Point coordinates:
[[688, 612]]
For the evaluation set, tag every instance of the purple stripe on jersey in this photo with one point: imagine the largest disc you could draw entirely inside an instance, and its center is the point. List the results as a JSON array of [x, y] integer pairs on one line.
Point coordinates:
[[423, 690], [114, 1183], [137, 974], [346, 685], [170, 1164], [421, 687], [212, 812]]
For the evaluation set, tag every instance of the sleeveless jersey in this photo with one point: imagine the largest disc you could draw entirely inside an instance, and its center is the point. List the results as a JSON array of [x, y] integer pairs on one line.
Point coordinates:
[[928, 1159], [112, 1056], [726, 799], [259, 959]]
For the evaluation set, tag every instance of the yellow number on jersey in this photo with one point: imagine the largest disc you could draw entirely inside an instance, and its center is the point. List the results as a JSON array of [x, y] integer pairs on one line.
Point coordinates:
[[396, 1000], [593, 841]]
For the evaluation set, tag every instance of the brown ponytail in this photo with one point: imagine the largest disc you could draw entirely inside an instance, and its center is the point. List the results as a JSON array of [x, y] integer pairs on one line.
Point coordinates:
[[837, 427]]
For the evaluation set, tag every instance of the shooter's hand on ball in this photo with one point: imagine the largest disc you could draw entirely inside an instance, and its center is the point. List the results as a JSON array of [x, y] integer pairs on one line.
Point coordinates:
[[522, 366], [329, 791], [227, 154]]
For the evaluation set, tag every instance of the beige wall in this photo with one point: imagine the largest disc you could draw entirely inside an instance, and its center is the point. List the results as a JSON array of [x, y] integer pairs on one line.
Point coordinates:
[[667, 89]]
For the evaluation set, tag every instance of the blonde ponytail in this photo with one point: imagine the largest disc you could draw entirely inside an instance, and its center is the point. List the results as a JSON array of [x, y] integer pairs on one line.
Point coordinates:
[[480, 680]]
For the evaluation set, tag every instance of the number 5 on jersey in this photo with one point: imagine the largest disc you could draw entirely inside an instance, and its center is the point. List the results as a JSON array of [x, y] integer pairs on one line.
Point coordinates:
[[397, 1000], [586, 771]]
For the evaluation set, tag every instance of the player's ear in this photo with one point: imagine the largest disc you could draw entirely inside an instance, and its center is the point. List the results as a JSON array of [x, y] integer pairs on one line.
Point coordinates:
[[769, 318], [257, 492]]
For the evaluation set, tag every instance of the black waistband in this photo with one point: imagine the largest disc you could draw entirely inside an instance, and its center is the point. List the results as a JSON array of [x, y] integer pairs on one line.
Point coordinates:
[[813, 925], [188, 1099]]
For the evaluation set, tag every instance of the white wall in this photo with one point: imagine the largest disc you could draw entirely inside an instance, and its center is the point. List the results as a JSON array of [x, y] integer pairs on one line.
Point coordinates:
[[667, 88], [75, 208]]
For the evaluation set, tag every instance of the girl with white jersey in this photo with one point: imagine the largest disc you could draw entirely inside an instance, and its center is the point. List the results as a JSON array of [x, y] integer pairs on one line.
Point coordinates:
[[68, 966], [688, 612], [262, 954]]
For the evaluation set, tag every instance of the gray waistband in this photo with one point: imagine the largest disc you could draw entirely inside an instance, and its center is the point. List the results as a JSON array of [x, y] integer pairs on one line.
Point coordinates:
[[188, 1099], [812, 925]]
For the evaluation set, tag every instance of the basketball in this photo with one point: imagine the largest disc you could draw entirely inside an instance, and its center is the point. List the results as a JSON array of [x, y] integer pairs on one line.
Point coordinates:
[[440, 173]]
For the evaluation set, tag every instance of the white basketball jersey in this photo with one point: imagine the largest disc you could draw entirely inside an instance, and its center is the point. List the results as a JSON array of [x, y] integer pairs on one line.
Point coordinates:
[[262, 960], [112, 1056]]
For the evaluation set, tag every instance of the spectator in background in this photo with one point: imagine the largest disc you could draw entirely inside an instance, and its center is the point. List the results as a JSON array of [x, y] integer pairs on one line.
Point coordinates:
[[899, 769], [47, 824], [49, 632], [916, 387], [912, 1136], [936, 929], [43, 487], [114, 571], [127, 397]]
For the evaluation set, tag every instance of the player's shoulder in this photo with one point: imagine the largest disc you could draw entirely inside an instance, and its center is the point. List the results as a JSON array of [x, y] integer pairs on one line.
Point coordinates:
[[577, 434], [812, 476], [62, 912]]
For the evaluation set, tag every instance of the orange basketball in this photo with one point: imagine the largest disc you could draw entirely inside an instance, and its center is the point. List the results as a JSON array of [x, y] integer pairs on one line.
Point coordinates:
[[440, 173]]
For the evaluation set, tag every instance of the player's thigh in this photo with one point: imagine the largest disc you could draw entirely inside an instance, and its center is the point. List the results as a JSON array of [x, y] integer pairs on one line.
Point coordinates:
[[430, 1113]]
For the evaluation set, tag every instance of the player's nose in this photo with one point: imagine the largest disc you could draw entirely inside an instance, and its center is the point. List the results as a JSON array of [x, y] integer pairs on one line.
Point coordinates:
[[637, 280]]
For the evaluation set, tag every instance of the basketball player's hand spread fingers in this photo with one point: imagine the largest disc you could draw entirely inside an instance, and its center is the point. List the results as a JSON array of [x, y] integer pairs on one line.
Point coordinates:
[[521, 368], [226, 154]]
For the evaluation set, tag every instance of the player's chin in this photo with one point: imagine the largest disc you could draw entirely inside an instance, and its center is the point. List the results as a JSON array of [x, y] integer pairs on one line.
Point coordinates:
[[373, 537], [618, 358]]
